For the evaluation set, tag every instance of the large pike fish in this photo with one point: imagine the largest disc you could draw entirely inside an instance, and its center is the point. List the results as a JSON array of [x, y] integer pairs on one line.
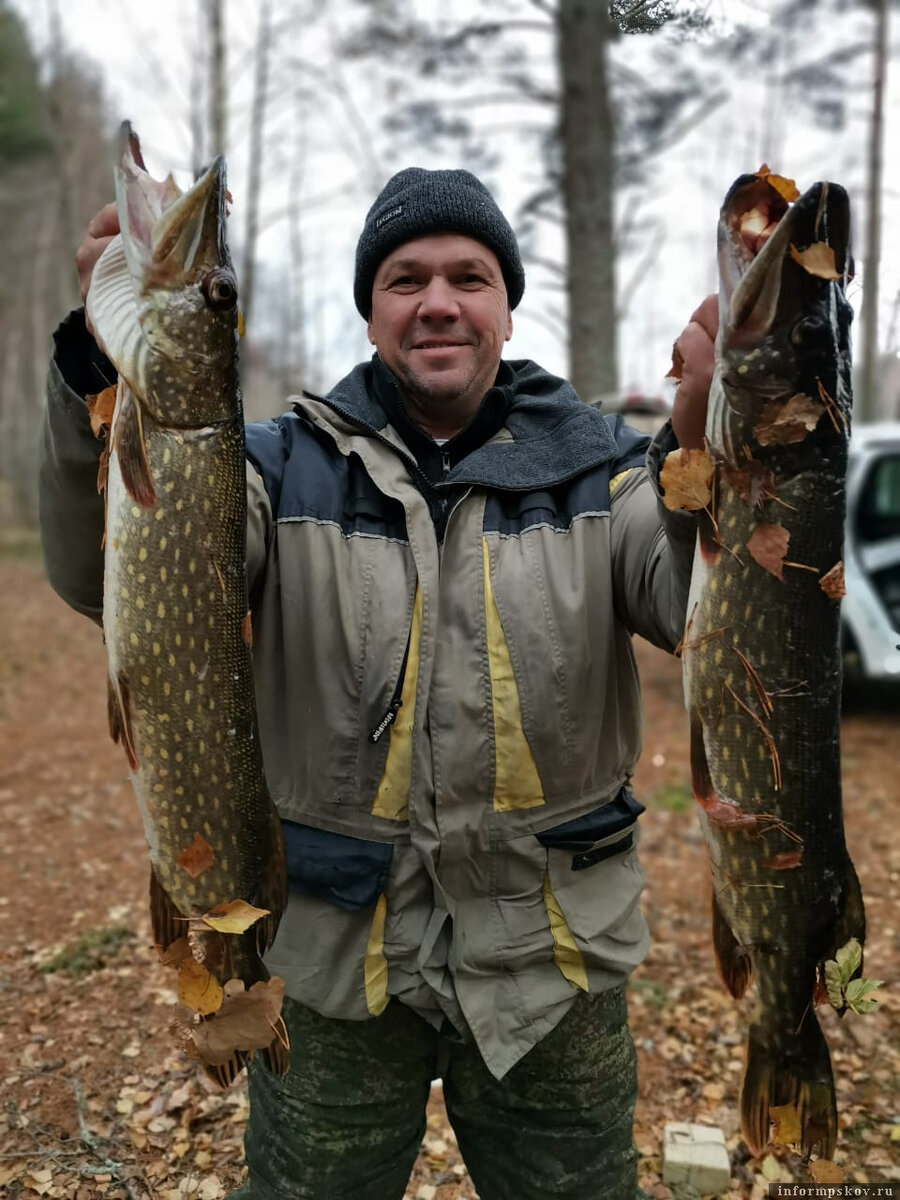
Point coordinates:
[[163, 302], [761, 650]]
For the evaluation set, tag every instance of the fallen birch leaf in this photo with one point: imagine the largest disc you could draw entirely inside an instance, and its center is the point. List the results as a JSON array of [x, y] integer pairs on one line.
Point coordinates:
[[786, 188], [196, 858], [817, 259], [686, 479], [100, 410], [787, 1131], [244, 1022], [234, 917], [783, 422], [751, 482], [823, 1170], [197, 989], [832, 582], [768, 545]]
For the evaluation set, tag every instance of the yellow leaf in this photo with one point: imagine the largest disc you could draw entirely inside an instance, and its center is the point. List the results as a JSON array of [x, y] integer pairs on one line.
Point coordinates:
[[771, 1168], [234, 917], [825, 1171], [786, 188], [784, 421], [787, 1130], [686, 479], [818, 259], [197, 989]]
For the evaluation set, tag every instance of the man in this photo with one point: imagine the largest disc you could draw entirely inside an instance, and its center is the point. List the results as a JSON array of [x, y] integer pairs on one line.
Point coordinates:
[[447, 557]]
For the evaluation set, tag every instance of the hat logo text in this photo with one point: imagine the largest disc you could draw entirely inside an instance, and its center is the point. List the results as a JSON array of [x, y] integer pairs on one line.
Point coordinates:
[[389, 216]]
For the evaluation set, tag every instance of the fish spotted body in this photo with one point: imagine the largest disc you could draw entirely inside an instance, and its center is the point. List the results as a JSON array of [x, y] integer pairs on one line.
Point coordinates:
[[175, 615], [761, 650]]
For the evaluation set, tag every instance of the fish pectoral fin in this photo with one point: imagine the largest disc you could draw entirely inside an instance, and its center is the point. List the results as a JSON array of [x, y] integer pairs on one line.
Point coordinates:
[[732, 959], [118, 712], [131, 450], [796, 1071], [166, 920]]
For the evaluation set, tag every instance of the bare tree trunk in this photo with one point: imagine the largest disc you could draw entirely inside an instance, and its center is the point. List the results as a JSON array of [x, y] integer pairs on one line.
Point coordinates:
[[218, 89], [60, 119], [198, 80], [588, 143], [257, 141], [867, 399]]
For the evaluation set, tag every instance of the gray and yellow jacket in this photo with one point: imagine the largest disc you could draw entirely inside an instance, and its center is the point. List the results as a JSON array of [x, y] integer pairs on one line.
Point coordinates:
[[447, 695]]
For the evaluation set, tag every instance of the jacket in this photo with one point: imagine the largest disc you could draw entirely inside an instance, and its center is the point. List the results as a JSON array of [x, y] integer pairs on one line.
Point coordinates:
[[449, 724]]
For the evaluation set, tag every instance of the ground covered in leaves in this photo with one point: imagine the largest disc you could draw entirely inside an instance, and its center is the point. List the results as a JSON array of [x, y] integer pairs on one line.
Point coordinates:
[[96, 1101]]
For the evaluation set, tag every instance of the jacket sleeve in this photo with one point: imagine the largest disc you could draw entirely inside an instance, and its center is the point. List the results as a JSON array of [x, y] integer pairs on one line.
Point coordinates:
[[652, 549], [70, 509], [69, 506]]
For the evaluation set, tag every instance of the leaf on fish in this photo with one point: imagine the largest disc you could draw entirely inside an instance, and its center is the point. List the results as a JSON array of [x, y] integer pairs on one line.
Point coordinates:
[[788, 1130], [768, 545], [174, 954], [686, 479], [100, 410], [832, 582], [786, 188], [677, 368], [788, 421], [843, 990], [786, 861], [818, 259], [247, 1020], [823, 1170], [234, 917], [198, 989], [198, 857], [751, 482]]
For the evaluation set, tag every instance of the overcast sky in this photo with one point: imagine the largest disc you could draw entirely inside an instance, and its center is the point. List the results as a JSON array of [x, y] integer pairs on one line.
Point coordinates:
[[143, 51]]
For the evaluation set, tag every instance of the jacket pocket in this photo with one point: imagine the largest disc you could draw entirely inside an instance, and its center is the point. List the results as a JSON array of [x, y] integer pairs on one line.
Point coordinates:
[[597, 835], [346, 871]]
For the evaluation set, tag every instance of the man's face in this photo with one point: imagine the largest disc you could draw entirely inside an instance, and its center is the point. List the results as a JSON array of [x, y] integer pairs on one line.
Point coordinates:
[[439, 319]]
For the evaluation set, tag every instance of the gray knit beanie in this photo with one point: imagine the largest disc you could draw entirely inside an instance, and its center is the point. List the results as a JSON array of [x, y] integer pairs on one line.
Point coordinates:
[[417, 202]]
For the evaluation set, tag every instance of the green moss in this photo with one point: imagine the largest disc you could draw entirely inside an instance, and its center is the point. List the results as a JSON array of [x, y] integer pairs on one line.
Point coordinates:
[[90, 953]]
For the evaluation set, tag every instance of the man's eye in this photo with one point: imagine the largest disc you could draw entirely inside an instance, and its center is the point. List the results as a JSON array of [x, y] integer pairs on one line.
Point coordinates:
[[403, 281], [472, 280]]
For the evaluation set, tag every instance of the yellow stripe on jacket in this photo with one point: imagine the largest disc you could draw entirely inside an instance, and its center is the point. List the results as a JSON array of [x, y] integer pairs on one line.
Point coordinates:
[[516, 780]]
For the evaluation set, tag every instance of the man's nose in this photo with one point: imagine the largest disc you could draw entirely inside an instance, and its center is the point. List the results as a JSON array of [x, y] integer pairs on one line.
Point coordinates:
[[438, 300]]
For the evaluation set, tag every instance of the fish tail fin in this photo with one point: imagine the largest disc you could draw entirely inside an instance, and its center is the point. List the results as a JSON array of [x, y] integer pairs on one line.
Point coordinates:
[[277, 1055], [852, 921], [796, 1072], [731, 958], [224, 1074]]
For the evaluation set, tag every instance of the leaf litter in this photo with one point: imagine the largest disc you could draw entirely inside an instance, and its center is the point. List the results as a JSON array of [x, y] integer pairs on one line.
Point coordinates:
[[99, 1100]]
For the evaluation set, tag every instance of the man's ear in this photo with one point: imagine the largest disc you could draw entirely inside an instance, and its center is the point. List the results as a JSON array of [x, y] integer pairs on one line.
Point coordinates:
[[509, 323], [370, 333]]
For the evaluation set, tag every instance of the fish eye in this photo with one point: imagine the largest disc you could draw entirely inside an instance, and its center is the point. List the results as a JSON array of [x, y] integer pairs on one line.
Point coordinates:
[[220, 289], [806, 331]]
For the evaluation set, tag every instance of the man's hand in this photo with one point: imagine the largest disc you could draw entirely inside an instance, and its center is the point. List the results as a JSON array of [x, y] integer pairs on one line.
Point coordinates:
[[696, 346], [100, 232]]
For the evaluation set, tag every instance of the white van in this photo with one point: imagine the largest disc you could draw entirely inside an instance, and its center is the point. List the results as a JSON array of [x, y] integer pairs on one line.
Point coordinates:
[[870, 612]]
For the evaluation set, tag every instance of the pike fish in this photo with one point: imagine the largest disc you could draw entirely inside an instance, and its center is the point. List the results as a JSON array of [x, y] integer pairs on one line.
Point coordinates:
[[761, 649], [163, 302]]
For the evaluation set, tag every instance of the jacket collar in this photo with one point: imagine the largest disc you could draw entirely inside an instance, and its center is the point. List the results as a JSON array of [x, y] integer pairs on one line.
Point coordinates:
[[531, 431]]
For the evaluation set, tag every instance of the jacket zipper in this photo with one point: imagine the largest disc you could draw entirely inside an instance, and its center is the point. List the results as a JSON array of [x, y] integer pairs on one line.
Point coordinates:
[[396, 702]]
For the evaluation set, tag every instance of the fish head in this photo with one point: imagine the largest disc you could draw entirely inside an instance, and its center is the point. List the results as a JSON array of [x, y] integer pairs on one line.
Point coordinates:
[[164, 297], [784, 319]]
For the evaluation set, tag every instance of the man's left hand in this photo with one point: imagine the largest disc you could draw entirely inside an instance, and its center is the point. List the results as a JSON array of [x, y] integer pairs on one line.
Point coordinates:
[[696, 347]]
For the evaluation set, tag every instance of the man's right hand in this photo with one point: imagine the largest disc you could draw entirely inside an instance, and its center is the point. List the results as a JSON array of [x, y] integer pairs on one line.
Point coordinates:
[[100, 232]]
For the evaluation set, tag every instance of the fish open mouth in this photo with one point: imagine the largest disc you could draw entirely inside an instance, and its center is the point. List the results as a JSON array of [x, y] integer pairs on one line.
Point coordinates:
[[811, 233]]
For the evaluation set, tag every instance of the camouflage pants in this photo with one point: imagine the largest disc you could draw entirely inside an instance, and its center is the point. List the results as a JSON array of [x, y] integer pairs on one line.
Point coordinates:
[[346, 1123]]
